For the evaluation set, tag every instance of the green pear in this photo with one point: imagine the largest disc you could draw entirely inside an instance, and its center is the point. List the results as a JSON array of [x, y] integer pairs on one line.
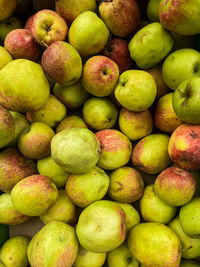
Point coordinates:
[[8, 25], [190, 246], [19, 83], [58, 243], [88, 34], [150, 45], [152, 10], [82, 153], [7, 8], [84, 189], [47, 166], [189, 263], [155, 244], [71, 122], [5, 57], [101, 226], [13, 252]]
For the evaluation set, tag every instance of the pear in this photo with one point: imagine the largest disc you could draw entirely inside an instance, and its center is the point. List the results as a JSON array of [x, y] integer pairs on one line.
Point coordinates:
[[5, 57]]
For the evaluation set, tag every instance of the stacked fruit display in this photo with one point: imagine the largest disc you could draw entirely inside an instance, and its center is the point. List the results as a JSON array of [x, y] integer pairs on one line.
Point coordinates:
[[100, 132]]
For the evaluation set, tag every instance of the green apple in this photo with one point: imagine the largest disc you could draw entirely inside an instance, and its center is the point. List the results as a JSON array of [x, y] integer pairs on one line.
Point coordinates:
[[88, 34], [71, 122], [142, 84], [152, 10], [5, 57], [7, 8], [150, 45], [181, 65]]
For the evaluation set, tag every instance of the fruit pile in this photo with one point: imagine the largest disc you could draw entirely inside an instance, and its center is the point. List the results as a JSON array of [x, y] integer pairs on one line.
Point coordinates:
[[100, 132]]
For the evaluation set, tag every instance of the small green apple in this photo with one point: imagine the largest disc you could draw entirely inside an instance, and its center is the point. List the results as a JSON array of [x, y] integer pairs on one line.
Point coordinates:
[[71, 122]]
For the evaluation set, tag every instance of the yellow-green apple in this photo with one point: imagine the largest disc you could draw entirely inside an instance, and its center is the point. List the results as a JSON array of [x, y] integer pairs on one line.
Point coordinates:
[[135, 124], [8, 214], [126, 185], [176, 16], [181, 65], [13, 168], [184, 146], [47, 167], [34, 142], [175, 186], [88, 34], [5, 57], [86, 188], [86, 258], [153, 209], [13, 251], [7, 8], [72, 96], [63, 210], [100, 113], [150, 154], [8, 25], [58, 243], [70, 9], [156, 73], [155, 244], [47, 27], [100, 75], [152, 10], [101, 226], [33, 195], [150, 45], [117, 50], [19, 83], [189, 263], [190, 246], [62, 63], [121, 17], [142, 84], [165, 118], [116, 149], [71, 122], [82, 153], [186, 100], [51, 113], [7, 127], [21, 44], [189, 216], [121, 256]]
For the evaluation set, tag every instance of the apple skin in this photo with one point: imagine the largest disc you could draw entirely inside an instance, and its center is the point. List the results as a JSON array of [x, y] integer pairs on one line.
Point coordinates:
[[181, 65], [5, 57], [62, 63], [121, 17], [21, 44], [117, 50], [116, 149], [100, 75], [165, 118], [71, 122], [176, 16], [7, 8], [48, 27], [8, 25], [184, 146]]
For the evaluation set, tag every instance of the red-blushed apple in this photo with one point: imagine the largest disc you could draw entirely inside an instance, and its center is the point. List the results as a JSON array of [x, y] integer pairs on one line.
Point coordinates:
[[5, 57], [135, 124], [47, 27], [71, 122], [121, 16], [116, 149], [7, 8], [150, 154], [184, 146], [8, 25], [13, 168], [117, 50], [100, 75], [28, 24], [175, 186], [62, 63], [165, 119], [21, 44]]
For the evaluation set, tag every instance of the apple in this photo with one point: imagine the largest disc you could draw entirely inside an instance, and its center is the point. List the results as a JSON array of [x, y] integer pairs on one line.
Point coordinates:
[[150, 45], [152, 10], [62, 63], [176, 16], [181, 65], [71, 122], [88, 34], [121, 17], [29, 21], [184, 146], [5, 57], [7, 8], [21, 44], [47, 27], [8, 25], [142, 84], [100, 75], [117, 50]]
